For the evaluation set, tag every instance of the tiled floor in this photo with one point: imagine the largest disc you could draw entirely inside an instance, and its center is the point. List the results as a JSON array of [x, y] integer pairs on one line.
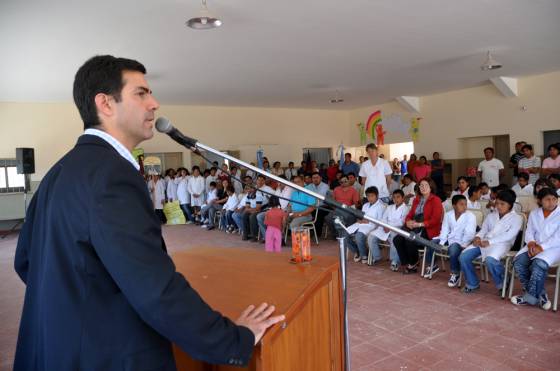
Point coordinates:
[[397, 322]]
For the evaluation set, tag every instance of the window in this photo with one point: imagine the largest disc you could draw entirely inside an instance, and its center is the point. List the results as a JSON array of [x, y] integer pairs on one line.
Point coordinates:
[[10, 180]]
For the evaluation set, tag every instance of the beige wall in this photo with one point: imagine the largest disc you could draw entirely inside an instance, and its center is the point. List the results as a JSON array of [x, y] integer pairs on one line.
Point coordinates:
[[478, 112], [52, 129]]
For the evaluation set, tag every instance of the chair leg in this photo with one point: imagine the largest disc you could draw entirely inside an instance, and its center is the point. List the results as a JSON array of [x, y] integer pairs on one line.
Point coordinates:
[[442, 263], [511, 283], [370, 257], [556, 288], [423, 261], [432, 264], [316, 236], [504, 283]]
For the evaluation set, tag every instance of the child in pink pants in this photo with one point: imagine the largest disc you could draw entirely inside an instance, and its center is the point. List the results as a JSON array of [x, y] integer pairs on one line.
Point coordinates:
[[274, 220]]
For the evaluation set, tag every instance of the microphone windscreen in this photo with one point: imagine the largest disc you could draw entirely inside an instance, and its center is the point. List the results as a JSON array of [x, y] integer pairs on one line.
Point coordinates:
[[163, 125]]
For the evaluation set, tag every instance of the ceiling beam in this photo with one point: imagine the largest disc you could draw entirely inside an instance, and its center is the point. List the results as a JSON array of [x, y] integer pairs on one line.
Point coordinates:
[[411, 104], [506, 85]]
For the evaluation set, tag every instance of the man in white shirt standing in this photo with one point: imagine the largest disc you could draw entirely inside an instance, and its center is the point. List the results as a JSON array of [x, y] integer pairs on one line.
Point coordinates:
[[491, 169], [376, 172]]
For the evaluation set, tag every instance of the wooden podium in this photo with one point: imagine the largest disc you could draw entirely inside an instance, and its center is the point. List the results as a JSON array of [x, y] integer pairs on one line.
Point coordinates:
[[310, 295]]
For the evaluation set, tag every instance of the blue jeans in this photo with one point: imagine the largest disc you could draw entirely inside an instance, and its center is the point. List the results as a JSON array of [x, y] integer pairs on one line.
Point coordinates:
[[260, 222], [454, 251], [187, 211], [373, 243], [495, 268], [238, 219], [359, 246], [532, 274]]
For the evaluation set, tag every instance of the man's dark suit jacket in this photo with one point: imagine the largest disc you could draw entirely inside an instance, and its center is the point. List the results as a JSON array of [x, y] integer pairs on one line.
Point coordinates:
[[102, 293]]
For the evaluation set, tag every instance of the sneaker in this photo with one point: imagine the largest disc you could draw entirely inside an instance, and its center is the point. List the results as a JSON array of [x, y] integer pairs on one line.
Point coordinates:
[[357, 258], [453, 280], [189, 222], [544, 303], [468, 290], [519, 300], [394, 267], [431, 271], [364, 260], [210, 228], [204, 226]]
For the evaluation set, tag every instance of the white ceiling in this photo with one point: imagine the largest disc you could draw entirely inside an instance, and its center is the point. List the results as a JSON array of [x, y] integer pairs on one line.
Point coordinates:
[[278, 53]]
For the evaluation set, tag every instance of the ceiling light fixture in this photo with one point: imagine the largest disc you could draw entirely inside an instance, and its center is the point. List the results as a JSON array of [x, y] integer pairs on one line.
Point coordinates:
[[490, 64], [336, 98], [205, 20]]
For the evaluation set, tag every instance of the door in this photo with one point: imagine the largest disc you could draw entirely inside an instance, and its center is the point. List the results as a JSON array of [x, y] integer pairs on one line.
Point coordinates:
[[321, 155], [550, 137], [501, 151]]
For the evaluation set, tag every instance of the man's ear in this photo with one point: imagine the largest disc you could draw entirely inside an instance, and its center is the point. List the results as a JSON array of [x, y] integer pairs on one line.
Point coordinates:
[[105, 105]]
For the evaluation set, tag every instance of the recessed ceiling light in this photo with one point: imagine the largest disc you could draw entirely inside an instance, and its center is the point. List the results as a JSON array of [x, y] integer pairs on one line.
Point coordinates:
[[205, 20], [490, 64]]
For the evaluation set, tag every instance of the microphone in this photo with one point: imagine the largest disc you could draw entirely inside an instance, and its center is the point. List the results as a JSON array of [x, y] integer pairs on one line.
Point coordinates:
[[163, 125]]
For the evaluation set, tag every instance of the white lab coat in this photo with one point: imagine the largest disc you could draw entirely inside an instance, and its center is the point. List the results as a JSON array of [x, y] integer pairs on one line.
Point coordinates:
[[525, 191], [183, 194], [409, 190], [459, 231], [393, 216], [473, 205], [171, 190], [196, 186], [375, 211], [157, 192], [501, 234], [546, 233], [231, 203]]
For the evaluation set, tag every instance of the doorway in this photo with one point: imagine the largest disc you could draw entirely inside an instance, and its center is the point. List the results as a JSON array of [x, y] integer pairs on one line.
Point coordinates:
[[550, 137], [501, 151]]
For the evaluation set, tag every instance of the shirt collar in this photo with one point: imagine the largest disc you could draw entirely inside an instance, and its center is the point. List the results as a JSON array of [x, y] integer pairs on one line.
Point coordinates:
[[118, 146]]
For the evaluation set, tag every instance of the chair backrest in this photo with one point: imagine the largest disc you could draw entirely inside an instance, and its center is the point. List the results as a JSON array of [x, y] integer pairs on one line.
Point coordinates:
[[483, 204], [447, 206], [520, 239], [528, 203], [479, 216]]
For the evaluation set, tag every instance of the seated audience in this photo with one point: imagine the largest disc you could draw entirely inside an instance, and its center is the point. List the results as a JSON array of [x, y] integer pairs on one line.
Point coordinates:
[[291, 171], [523, 187], [554, 179], [551, 164], [457, 232], [424, 218], [492, 242], [373, 208], [229, 207], [394, 215], [542, 250], [474, 196], [462, 187], [301, 206], [408, 189], [484, 191]]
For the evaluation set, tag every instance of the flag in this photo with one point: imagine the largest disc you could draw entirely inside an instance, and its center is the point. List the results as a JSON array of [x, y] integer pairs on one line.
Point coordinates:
[[308, 162], [260, 157], [340, 155]]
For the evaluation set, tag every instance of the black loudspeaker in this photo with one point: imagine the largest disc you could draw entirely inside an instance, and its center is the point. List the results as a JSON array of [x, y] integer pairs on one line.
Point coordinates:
[[25, 158]]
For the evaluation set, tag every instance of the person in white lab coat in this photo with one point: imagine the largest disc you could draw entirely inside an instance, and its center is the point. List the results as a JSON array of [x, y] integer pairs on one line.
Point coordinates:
[[171, 190], [196, 188], [542, 250], [183, 194], [523, 187], [473, 197], [457, 232], [394, 215], [492, 242], [373, 208], [157, 191], [408, 188]]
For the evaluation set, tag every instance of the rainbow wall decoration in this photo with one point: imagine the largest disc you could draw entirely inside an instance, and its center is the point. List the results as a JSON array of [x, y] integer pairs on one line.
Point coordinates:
[[373, 120]]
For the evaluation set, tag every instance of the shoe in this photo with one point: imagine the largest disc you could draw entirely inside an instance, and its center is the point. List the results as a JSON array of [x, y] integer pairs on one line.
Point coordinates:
[[210, 228], [189, 222], [244, 238], [453, 280], [468, 290], [204, 226], [364, 260], [357, 258], [254, 240], [228, 230], [544, 303], [519, 300], [431, 271], [394, 267]]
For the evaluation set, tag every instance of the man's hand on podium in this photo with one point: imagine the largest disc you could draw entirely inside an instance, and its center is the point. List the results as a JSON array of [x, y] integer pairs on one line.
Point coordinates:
[[258, 319]]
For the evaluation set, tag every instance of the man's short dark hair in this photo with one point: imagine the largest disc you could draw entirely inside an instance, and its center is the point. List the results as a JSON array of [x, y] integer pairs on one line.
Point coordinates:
[[508, 196], [489, 149], [351, 173], [398, 192], [523, 176], [100, 74], [372, 190], [527, 146], [457, 198], [371, 146], [315, 173]]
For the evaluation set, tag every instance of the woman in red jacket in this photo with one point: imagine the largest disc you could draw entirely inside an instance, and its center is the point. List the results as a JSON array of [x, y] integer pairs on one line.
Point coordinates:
[[425, 218]]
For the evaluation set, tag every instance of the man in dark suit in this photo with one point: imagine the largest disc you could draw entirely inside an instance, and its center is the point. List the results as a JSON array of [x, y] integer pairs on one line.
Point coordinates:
[[102, 293]]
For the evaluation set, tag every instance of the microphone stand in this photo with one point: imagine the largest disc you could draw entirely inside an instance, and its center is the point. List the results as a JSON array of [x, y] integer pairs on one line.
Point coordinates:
[[196, 147]]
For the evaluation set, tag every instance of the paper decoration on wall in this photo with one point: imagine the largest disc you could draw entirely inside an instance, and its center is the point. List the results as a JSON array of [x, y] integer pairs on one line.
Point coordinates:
[[363, 134], [415, 128], [373, 120], [380, 134], [396, 124]]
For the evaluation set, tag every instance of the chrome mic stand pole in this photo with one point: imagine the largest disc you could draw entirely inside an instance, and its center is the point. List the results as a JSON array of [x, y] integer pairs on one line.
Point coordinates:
[[342, 256]]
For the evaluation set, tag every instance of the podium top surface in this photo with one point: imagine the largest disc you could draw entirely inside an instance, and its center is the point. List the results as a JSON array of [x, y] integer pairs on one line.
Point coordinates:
[[231, 279]]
